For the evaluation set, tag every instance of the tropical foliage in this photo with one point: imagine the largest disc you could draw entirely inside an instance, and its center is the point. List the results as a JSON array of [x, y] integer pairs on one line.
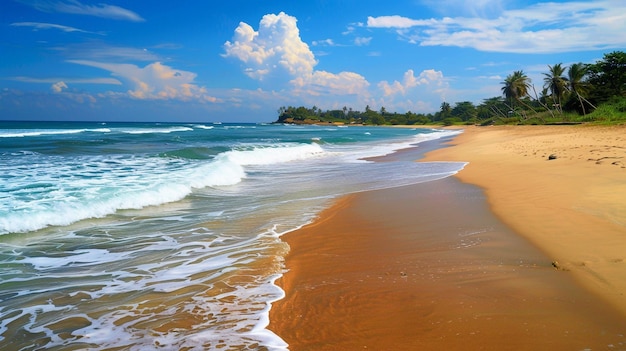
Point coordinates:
[[575, 93]]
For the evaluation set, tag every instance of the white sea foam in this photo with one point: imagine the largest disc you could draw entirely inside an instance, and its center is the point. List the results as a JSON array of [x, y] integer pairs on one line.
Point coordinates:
[[274, 154], [165, 130], [74, 192], [382, 149], [174, 268], [237, 126], [10, 133]]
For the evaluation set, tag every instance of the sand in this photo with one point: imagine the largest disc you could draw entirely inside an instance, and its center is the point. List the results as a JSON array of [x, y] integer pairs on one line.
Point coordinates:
[[572, 207], [430, 267]]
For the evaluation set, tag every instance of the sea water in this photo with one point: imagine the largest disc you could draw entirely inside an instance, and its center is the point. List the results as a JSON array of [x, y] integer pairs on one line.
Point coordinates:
[[146, 236]]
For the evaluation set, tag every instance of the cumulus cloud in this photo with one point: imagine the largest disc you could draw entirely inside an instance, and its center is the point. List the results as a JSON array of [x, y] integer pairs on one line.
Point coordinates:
[[277, 45], [58, 87], [427, 77], [541, 28], [77, 8], [155, 81], [326, 83], [416, 93], [276, 50]]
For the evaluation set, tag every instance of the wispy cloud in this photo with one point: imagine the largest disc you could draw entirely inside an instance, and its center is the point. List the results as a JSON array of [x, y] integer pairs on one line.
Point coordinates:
[[108, 81], [78, 8], [477, 8], [542, 28], [396, 22], [46, 26], [155, 81], [97, 51], [362, 41], [325, 42]]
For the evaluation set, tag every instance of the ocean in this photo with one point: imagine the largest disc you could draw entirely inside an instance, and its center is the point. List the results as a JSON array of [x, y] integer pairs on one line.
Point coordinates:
[[167, 236]]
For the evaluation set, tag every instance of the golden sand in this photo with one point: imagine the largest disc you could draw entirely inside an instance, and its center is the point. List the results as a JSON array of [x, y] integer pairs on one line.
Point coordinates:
[[429, 267], [572, 207]]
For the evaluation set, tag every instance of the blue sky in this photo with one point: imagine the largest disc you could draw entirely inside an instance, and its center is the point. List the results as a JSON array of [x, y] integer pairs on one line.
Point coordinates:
[[240, 60]]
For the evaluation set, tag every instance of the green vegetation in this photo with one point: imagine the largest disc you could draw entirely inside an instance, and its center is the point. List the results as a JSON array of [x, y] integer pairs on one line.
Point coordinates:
[[575, 94]]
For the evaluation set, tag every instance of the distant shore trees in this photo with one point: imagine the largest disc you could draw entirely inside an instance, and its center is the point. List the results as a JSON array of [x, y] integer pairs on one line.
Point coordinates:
[[576, 93]]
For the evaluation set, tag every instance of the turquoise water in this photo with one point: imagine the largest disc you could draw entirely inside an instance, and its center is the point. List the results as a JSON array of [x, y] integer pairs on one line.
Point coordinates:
[[143, 236]]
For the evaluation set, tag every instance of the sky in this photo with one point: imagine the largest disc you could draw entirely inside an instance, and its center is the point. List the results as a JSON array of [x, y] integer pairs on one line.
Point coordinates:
[[241, 60]]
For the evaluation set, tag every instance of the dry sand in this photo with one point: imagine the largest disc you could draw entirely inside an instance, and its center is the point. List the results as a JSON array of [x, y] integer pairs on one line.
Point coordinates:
[[429, 267], [572, 207]]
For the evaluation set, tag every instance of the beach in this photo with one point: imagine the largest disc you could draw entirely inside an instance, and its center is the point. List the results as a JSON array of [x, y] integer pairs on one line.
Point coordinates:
[[571, 205], [522, 249]]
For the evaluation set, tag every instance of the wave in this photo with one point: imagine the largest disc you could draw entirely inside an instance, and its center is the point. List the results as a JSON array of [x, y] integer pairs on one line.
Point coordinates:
[[95, 186], [23, 133], [124, 184], [274, 154], [239, 127], [194, 153], [43, 132], [156, 130], [383, 149]]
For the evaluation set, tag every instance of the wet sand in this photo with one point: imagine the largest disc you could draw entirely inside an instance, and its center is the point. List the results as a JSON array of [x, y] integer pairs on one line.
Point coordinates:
[[430, 267]]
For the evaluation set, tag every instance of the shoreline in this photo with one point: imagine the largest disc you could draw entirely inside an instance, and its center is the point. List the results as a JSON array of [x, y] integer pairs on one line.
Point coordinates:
[[369, 273]]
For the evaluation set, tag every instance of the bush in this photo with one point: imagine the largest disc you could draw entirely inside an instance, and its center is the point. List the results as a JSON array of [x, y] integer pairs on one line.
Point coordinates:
[[508, 120], [451, 120], [612, 111]]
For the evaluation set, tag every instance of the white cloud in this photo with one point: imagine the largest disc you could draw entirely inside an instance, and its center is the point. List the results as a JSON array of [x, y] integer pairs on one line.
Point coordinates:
[[427, 77], [44, 26], [423, 92], [155, 81], [77, 8], [326, 83], [276, 50], [395, 22], [325, 42], [98, 52], [541, 28], [111, 81], [362, 41], [58, 87], [276, 46]]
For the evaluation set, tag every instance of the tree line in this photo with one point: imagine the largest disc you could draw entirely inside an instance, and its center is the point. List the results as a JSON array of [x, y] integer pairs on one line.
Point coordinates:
[[576, 93]]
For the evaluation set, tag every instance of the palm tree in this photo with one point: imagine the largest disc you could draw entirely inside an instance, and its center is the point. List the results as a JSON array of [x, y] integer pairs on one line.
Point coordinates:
[[577, 84], [556, 83], [494, 105], [516, 87]]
